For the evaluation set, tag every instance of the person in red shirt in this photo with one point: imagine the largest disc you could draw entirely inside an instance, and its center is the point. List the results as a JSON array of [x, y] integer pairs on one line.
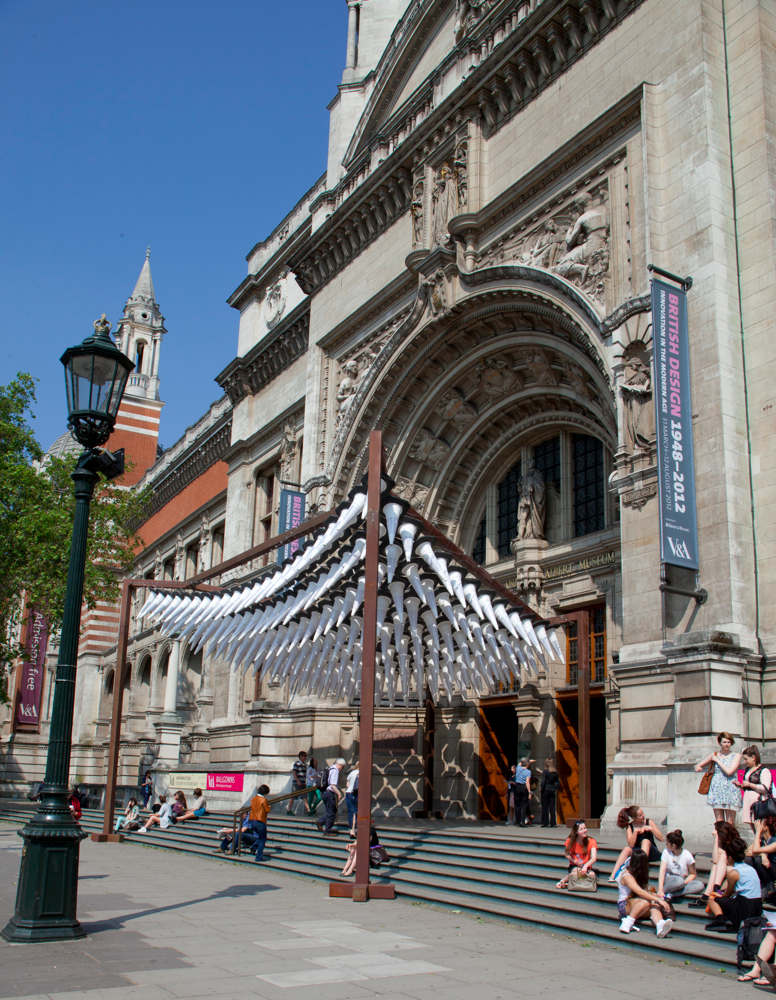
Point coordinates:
[[581, 852], [74, 804]]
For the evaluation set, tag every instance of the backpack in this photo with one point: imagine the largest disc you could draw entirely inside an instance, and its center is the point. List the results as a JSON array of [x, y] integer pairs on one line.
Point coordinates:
[[750, 937], [322, 779]]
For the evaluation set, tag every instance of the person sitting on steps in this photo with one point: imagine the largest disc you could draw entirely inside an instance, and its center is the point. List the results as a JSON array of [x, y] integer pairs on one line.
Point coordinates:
[[581, 852], [677, 869], [723, 833], [743, 896], [640, 832], [635, 900], [199, 810]]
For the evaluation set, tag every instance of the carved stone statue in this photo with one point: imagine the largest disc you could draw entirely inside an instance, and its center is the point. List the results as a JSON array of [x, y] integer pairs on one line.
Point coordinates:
[[204, 544], [436, 290], [452, 406], [180, 553], [531, 507], [537, 364], [636, 387], [417, 214], [275, 303], [158, 565], [348, 387], [429, 449], [548, 247], [585, 239], [445, 204], [460, 167], [287, 453], [495, 377]]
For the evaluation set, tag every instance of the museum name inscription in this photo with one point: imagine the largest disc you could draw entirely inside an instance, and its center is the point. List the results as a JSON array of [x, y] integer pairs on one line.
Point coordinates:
[[567, 569]]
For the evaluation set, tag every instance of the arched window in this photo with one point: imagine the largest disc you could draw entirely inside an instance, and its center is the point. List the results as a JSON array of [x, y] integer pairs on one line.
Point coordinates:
[[218, 545], [478, 552], [139, 352], [508, 497], [265, 503]]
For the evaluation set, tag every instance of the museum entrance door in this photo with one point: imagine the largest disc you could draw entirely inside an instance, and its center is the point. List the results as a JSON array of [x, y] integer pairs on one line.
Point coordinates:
[[568, 756], [498, 751]]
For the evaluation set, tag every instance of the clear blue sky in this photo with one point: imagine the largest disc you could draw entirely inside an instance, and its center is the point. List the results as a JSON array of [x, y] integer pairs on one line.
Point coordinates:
[[190, 126]]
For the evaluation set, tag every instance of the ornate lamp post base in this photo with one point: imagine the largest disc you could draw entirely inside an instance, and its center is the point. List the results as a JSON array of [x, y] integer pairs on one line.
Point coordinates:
[[48, 883]]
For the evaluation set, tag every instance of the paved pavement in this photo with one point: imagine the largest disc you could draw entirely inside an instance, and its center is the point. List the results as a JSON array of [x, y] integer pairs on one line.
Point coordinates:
[[163, 925]]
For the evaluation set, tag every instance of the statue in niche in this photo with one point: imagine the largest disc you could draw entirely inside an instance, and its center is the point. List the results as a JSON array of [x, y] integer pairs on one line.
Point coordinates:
[[531, 506], [417, 214], [348, 388], [586, 241], [460, 169], [576, 377], [436, 290], [180, 552], [636, 388], [287, 453], [158, 565], [275, 303], [414, 493], [445, 204], [204, 544], [495, 377], [537, 364]]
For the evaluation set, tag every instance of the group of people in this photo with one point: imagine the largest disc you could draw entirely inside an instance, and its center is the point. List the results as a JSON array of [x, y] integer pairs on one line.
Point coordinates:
[[306, 776], [521, 786], [740, 874], [164, 815]]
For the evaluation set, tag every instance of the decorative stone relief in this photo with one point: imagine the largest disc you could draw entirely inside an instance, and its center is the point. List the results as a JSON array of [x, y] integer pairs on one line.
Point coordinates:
[[414, 493], [438, 294], [354, 370], [636, 391], [452, 406], [576, 377], [288, 453], [429, 449], [275, 302], [158, 564], [495, 377], [467, 14], [638, 498], [572, 242], [450, 193], [418, 192], [538, 366]]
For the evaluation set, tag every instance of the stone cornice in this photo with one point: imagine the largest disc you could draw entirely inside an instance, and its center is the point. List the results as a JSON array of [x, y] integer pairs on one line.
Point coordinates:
[[271, 356]]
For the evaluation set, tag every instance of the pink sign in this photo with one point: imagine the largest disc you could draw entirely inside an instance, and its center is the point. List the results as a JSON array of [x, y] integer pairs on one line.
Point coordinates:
[[224, 782], [32, 670]]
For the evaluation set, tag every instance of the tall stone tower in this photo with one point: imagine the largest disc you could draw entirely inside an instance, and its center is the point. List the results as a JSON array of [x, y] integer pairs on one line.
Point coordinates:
[[139, 336]]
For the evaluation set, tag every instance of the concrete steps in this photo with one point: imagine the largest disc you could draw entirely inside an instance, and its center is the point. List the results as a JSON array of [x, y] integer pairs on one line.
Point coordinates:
[[506, 877]]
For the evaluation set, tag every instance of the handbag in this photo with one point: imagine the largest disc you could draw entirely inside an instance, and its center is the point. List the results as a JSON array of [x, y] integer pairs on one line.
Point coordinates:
[[764, 807], [583, 882], [705, 785]]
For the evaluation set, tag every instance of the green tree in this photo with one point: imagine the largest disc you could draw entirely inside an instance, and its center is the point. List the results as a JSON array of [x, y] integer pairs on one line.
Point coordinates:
[[37, 507]]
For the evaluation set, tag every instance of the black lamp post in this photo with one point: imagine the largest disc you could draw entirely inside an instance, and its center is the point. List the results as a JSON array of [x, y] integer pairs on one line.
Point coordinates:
[[96, 373]]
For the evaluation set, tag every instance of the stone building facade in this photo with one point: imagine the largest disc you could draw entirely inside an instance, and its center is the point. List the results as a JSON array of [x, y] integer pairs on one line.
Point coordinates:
[[471, 276]]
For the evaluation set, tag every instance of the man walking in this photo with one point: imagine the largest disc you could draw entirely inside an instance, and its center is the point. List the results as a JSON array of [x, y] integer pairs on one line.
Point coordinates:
[[298, 778], [257, 820], [522, 792], [331, 799]]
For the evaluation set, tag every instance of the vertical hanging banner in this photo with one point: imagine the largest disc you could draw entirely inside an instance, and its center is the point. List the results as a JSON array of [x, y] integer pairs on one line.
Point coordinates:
[[675, 463], [290, 515], [32, 671]]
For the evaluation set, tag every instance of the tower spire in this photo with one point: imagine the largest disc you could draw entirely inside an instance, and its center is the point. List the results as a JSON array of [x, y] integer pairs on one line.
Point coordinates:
[[144, 289]]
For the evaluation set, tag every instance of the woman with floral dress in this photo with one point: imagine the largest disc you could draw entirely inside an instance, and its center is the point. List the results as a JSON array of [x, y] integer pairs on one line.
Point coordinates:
[[724, 795]]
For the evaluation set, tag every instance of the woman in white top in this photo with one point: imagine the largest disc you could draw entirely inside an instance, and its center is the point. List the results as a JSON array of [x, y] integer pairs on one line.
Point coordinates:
[[199, 810], [757, 780], [677, 869], [161, 819]]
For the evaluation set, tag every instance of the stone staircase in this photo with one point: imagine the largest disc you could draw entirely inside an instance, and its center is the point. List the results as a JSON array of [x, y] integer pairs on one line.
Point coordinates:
[[495, 873]]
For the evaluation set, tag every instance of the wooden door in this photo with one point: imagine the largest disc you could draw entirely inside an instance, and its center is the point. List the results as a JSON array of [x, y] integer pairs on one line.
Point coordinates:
[[494, 764], [568, 759]]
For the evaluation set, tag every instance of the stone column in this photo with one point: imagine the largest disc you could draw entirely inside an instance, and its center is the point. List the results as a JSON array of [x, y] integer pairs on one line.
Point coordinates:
[[170, 724], [350, 62], [233, 701]]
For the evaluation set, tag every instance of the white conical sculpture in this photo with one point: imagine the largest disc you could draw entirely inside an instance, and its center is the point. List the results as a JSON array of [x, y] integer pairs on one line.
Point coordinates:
[[385, 640], [360, 591], [429, 619], [426, 552], [430, 596], [456, 580], [154, 600], [337, 607], [461, 621], [501, 615], [392, 512], [444, 577], [351, 513], [355, 634], [517, 621], [392, 554], [446, 607], [383, 604], [412, 606], [347, 605], [553, 637], [446, 631], [470, 590], [397, 593], [544, 640], [407, 532], [326, 613], [411, 573], [398, 630], [487, 607]]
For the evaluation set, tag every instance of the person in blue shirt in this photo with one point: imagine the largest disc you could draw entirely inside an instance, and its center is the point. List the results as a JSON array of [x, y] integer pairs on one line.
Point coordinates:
[[522, 791], [743, 896]]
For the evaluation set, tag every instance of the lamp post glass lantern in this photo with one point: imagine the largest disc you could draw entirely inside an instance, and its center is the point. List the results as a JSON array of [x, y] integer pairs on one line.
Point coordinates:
[[96, 374]]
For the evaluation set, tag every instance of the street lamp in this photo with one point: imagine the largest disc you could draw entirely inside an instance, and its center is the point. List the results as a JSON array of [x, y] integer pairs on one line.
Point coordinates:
[[96, 373]]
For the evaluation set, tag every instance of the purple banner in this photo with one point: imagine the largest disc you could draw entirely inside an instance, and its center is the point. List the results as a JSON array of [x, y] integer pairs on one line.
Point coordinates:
[[290, 515], [33, 669]]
